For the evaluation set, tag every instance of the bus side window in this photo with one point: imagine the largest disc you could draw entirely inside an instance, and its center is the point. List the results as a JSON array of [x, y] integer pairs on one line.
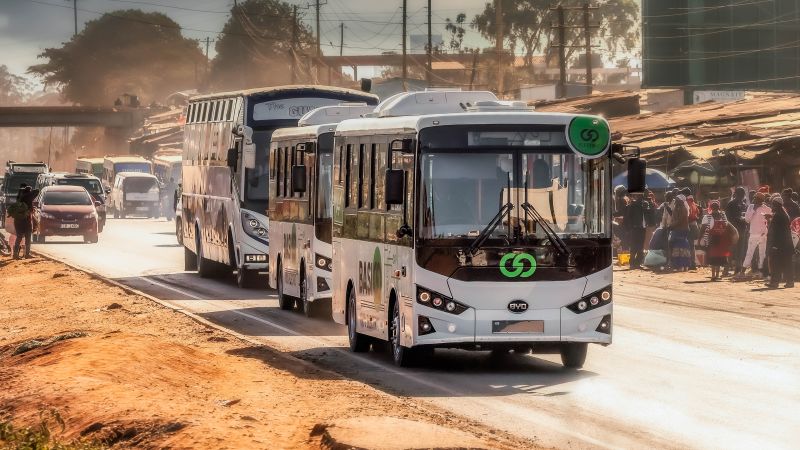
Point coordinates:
[[284, 189], [347, 169], [361, 182], [278, 174], [373, 151]]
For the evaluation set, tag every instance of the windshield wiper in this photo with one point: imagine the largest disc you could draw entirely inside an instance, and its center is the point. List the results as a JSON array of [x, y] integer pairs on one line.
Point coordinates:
[[489, 229], [557, 242]]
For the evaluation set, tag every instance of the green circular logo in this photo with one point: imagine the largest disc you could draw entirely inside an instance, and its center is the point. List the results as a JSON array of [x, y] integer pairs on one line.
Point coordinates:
[[589, 136], [377, 276], [518, 265]]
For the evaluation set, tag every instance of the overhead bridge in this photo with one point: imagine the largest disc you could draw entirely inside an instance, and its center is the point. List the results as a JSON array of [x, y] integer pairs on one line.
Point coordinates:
[[70, 116]]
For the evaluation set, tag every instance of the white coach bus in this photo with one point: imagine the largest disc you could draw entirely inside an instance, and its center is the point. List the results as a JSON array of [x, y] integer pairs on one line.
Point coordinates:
[[225, 169], [300, 208], [488, 229]]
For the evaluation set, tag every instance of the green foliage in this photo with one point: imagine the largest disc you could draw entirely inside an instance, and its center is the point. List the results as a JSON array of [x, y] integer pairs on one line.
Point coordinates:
[[14, 89], [128, 51], [456, 30], [40, 437], [255, 48], [527, 24]]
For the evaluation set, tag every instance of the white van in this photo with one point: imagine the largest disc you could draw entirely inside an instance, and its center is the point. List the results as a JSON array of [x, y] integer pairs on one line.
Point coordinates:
[[135, 193]]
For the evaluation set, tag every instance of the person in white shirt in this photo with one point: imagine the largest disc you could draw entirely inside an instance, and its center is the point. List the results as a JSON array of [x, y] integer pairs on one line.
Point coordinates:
[[756, 217]]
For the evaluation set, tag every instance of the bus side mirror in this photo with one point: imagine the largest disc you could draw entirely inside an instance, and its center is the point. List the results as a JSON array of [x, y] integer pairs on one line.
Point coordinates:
[[637, 173], [395, 187], [298, 179], [233, 158]]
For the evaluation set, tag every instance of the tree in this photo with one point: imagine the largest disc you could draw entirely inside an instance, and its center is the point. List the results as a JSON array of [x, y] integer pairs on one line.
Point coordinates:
[[128, 51], [456, 30], [255, 47], [527, 23], [14, 89]]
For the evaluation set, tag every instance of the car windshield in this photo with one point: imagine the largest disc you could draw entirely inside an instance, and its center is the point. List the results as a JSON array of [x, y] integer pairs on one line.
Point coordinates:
[[93, 186], [71, 198], [460, 193], [13, 183]]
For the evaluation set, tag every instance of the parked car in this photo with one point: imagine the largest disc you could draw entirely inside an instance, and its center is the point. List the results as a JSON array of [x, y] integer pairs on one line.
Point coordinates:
[[65, 211], [135, 193], [90, 182]]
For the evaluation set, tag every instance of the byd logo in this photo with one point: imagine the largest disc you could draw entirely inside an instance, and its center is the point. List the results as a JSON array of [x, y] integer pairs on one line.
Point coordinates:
[[518, 306], [523, 265]]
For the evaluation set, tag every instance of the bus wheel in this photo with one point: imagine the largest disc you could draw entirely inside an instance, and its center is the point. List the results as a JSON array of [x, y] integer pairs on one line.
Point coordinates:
[[179, 231], [245, 278], [573, 355], [204, 266], [402, 356], [283, 300], [302, 303], [189, 260], [358, 342]]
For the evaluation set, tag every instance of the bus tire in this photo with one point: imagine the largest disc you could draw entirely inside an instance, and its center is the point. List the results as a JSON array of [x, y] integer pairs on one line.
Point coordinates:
[[302, 303], [402, 356], [179, 231], [189, 260], [359, 343], [204, 266], [245, 278], [573, 355], [284, 301]]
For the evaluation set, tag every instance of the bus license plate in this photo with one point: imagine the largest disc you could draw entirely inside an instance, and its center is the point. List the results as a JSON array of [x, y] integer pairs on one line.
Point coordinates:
[[69, 225], [517, 326]]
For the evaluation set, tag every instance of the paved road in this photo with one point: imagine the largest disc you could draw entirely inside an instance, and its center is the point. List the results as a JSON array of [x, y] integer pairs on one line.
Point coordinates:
[[676, 376]]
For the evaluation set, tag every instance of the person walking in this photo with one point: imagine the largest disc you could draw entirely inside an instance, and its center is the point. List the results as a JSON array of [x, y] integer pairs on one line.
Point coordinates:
[[679, 235], [635, 220], [756, 217], [23, 227], [721, 236], [791, 206], [694, 227], [781, 247], [735, 212]]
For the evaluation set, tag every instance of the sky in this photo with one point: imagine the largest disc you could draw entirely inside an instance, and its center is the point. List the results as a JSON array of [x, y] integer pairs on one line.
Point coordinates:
[[371, 26]]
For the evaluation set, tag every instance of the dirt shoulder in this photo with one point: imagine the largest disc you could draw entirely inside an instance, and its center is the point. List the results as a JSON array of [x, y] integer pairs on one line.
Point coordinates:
[[127, 372], [694, 289]]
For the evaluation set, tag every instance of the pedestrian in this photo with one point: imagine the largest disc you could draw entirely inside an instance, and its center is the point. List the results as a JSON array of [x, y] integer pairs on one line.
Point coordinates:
[[694, 227], [635, 221], [621, 201], [789, 204], [23, 227], [756, 217], [735, 212], [781, 247], [721, 235], [679, 235]]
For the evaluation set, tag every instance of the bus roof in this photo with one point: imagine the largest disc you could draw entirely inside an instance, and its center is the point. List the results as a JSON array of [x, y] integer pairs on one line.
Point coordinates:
[[283, 90], [417, 123], [308, 132], [126, 158], [173, 158], [91, 160]]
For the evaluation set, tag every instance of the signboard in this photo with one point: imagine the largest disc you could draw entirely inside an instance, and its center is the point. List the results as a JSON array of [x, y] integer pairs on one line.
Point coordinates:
[[289, 109], [33, 168], [590, 137], [718, 96]]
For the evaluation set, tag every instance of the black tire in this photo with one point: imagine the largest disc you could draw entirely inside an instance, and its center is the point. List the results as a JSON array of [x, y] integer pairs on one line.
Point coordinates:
[[245, 278], [205, 267], [284, 301], [573, 355], [402, 356], [189, 260], [179, 231], [302, 303], [359, 343]]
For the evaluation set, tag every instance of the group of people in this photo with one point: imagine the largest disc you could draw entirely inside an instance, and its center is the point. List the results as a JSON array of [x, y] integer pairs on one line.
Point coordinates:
[[752, 232]]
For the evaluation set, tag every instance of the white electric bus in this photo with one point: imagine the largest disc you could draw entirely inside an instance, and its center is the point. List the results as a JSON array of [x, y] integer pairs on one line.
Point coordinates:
[[301, 159], [225, 163], [488, 229], [112, 165]]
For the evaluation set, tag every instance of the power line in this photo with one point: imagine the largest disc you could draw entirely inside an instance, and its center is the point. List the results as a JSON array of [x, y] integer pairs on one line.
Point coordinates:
[[703, 9]]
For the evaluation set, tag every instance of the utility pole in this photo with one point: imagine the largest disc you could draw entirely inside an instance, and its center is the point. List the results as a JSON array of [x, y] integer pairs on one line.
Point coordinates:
[[208, 43], [341, 39], [588, 43], [294, 44], [75, 15], [319, 31], [562, 44], [429, 74], [405, 55], [498, 20]]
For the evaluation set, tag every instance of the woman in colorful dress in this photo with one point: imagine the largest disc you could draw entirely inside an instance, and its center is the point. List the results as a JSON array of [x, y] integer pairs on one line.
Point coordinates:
[[720, 239], [680, 254]]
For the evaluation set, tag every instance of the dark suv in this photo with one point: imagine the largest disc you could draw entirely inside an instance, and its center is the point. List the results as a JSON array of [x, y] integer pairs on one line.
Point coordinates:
[[91, 183]]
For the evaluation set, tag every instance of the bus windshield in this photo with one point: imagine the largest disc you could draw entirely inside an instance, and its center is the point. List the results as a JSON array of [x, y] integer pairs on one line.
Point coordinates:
[[461, 191], [324, 209], [256, 186]]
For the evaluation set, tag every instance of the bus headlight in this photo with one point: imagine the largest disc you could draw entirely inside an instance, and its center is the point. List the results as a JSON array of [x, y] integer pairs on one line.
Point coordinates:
[[254, 228], [438, 301], [592, 301], [323, 262]]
